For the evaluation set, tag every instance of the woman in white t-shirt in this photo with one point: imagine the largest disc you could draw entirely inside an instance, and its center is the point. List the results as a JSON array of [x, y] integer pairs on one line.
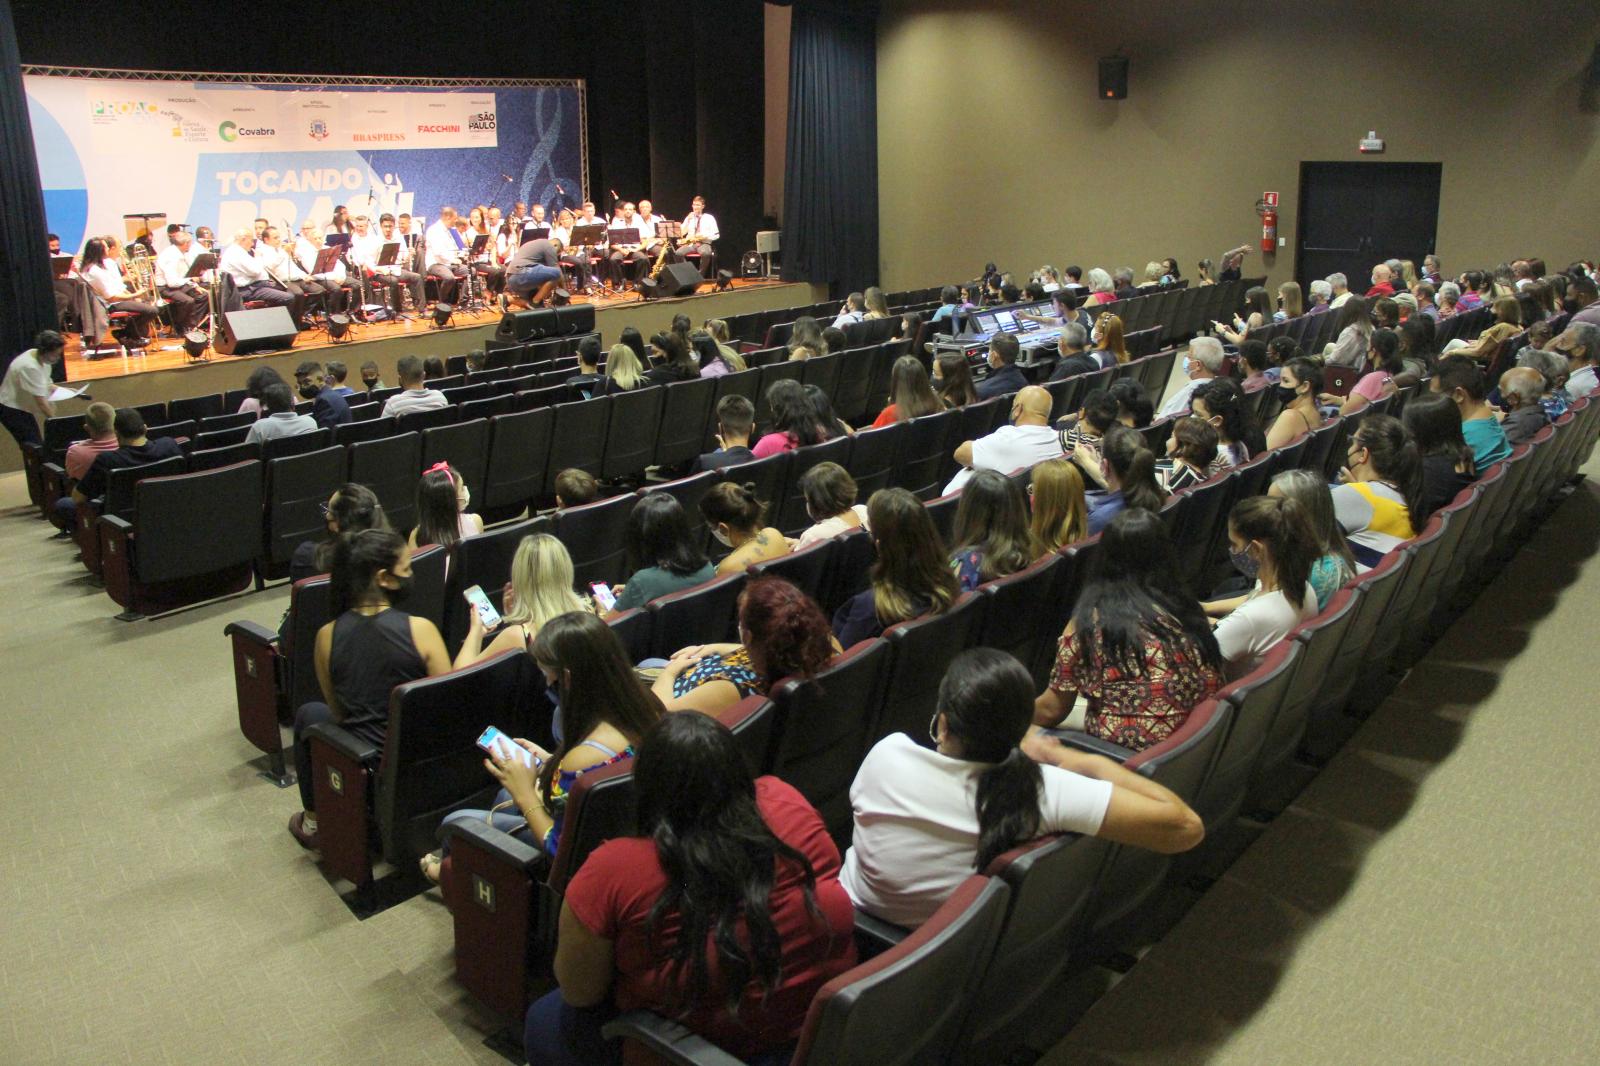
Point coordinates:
[[926, 819], [1271, 539], [830, 494]]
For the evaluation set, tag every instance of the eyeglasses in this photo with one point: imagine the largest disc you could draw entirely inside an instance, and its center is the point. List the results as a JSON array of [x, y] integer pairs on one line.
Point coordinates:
[[324, 510], [933, 728]]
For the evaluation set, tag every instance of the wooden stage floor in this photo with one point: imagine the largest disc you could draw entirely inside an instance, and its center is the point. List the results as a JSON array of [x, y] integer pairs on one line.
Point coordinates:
[[166, 352]]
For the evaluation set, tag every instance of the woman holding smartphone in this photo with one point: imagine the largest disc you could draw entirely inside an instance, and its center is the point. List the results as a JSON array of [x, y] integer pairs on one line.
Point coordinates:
[[541, 589]]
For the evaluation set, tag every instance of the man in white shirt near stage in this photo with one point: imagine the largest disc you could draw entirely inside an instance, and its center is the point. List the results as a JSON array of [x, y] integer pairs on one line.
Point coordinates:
[[255, 285], [395, 275], [275, 257], [623, 255], [1027, 441], [446, 254], [339, 285], [184, 295], [699, 231]]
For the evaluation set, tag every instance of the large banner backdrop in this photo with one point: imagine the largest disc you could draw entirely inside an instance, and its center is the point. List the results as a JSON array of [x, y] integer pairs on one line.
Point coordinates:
[[222, 153]]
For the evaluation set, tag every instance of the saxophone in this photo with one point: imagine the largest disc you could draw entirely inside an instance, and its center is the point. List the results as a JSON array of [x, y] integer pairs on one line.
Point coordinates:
[[661, 258]]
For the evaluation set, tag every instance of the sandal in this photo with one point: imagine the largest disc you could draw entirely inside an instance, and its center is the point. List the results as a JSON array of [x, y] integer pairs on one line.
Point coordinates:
[[297, 828], [430, 864]]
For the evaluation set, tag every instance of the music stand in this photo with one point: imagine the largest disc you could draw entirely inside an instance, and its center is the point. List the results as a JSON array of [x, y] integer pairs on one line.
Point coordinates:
[[624, 235], [534, 233], [60, 266], [479, 243], [388, 255], [326, 258], [589, 236], [337, 240], [141, 227], [668, 229]]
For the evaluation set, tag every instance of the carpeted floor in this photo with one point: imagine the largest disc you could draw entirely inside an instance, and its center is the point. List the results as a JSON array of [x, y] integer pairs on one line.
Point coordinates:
[[1429, 899]]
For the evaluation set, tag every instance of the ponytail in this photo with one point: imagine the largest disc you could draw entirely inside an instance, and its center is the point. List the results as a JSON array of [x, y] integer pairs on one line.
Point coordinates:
[[1396, 458], [735, 505], [357, 558], [1008, 805], [1284, 527], [1135, 466]]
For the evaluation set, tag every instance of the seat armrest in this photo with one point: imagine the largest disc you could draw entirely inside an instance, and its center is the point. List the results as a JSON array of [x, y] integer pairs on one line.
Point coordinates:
[[666, 1038], [345, 743], [121, 525], [253, 632], [502, 846], [54, 468], [874, 936], [1074, 738]]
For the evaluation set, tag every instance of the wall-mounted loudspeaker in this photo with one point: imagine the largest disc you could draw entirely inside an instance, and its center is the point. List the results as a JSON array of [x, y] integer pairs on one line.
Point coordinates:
[[1114, 78]]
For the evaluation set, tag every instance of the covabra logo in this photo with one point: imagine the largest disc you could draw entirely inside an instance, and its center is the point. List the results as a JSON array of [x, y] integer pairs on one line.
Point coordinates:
[[481, 122], [319, 130], [231, 131]]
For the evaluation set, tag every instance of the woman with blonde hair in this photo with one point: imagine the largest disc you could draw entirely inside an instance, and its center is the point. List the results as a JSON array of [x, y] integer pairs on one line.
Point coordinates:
[[877, 303], [623, 371], [1060, 515], [541, 589], [1109, 346], [1291, 302]]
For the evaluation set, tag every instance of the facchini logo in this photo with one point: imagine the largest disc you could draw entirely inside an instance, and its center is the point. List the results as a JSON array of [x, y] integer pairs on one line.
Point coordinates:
[[440, 128], [231, 131]]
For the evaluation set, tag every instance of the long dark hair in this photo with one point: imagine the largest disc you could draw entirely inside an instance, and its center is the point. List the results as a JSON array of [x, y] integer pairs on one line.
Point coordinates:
[[255, 386], [910, 391], [955, 380], [697, 804], [1386, 343], [1135, 467], [635, 340], [659, 534], [438, 509], [597, 684], [1434, 422], [1394, 455], [1281, 524], [992, 518], [354, 508], [94, 253], [357, 558], [912, 570], [793, 413], [1225, 399], [986, 698], [1354, 312], [1136, 592], [676, 348]]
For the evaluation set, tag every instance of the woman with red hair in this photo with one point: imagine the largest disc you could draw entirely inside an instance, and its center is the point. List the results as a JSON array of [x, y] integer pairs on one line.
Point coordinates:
[[784, 634]]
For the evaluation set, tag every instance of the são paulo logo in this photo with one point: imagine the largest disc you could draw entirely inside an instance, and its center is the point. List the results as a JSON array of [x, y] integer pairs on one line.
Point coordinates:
[[481, 121], [231, 131]]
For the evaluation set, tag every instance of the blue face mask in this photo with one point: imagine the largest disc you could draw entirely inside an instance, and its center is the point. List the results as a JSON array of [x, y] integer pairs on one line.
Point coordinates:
[[1186, 366], [1244, 562]]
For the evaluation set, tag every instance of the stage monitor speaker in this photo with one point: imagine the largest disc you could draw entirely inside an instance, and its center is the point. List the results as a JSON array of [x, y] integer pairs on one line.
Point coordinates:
[[531, 325], [679, 279], [264, 329], [1114, 78], [575, 318]]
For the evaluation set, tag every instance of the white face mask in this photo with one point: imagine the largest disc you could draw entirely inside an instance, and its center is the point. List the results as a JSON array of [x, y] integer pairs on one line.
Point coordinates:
[[464, 497]]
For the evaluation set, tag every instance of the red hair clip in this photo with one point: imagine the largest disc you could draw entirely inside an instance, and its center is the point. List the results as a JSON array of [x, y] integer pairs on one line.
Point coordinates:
[[442, 464]]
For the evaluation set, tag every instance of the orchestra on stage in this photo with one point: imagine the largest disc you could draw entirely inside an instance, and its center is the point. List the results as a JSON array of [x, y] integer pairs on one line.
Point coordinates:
[[358, 269]]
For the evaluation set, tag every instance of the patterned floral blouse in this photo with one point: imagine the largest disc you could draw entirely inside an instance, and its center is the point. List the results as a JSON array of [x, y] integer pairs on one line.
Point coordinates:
[[1128, 708], [733, 668]]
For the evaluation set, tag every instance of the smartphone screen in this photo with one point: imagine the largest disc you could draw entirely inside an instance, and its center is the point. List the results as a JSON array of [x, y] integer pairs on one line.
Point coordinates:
[[495, 742], [480, 603], [603, 595]]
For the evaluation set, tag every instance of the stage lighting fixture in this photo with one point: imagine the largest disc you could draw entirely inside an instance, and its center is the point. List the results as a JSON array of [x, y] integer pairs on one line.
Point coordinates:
[[560, 298], [195, 344], [649, 289], [724, 280], [442, 314], [338, 326]]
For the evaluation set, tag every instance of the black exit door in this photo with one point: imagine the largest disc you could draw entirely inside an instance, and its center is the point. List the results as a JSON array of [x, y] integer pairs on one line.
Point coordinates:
[[1355, 215]]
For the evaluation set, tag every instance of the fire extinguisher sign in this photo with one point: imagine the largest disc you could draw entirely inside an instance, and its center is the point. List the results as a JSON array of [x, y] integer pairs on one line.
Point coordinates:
[[1270, 199]]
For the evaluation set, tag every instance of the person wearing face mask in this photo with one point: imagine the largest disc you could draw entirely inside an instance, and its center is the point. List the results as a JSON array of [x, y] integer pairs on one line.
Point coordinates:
[[280, 419], [1520, 388], [1203, 362], [1461, 379], [328, 406], [735, 516], [1297, 389], [1579, 345], [371, 646], [348, 511], [1382, 490], [442, 516], [1270, 540]]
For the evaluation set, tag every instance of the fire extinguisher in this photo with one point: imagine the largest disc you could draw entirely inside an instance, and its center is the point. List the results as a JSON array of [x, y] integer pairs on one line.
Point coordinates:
[[1269, 229]]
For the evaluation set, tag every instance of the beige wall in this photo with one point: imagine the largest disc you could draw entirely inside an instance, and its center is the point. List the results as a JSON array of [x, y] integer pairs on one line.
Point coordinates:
[[993, 144]]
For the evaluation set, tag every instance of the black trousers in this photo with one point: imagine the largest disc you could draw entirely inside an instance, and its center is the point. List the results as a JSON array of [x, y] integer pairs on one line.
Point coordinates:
[[187, 305], [21, 425]]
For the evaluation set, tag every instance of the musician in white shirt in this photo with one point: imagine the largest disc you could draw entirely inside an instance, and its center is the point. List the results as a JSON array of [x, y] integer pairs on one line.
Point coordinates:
[[183, 294], [699, 231], [395, 274], [100, 269], [624, 254], [446, 254], [272, 253], [646, 221], [492, 273], [255, 285], [334, 281]]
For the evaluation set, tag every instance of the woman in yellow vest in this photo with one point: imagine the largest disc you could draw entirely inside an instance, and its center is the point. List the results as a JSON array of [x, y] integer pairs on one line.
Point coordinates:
[[1382, 489]]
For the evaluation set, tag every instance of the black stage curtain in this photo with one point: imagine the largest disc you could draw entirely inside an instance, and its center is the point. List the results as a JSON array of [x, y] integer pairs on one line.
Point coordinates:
[[830, 192], [29, 301]]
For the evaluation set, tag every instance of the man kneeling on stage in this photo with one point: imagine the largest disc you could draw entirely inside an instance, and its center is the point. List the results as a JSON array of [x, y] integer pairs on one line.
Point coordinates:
[[535, 269]]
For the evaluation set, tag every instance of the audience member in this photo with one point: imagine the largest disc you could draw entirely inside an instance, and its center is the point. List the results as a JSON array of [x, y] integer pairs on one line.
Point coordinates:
[[1258, 314], [1110, 349], [992, 535], [133, 449], [349, 510], [830, 494], [1335, 565], [371, 646], [1129, 469], [1004, 377], [634, 340], [328, 405], [1382, 489], [1353, 335], [371, 378], [833, 340], [575, 487], [735, 516], [823, 406], [1418, 346], [807, 332], [911, 394], [1134, 408], [925, 820], [911, 576], [1272, 542], [337, 372], [1507, 324], [541, 589], [1074, 360], [25, 390], [794, 421], [414, 394], [664, 554], [442, 515], [280, 420], [624, 371], [99, 420], [1382, 282], [736, 417], [588, 382], [255, 387], [1520, 389], [853, 311], [1434, 422], [1138, 648], [952, 379], [1082, 436], [1239, 438], [1297, 391], [784, 634], [603, 711], [1321, 293], [716, 360], [1060, 515], [1339, 286], [1203, 362], [647, 920], [1552, 369], [1024, 442], [1579, 343], [1253, 354], [1191, 450], [670, 360], [1461, 379], [1384, 358]]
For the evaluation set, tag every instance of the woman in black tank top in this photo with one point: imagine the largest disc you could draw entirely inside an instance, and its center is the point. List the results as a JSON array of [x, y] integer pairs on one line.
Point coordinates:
[[371, 646]]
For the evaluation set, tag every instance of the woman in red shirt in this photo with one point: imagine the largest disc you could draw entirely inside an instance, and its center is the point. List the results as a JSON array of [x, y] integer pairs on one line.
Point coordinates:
[[725, 912]]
